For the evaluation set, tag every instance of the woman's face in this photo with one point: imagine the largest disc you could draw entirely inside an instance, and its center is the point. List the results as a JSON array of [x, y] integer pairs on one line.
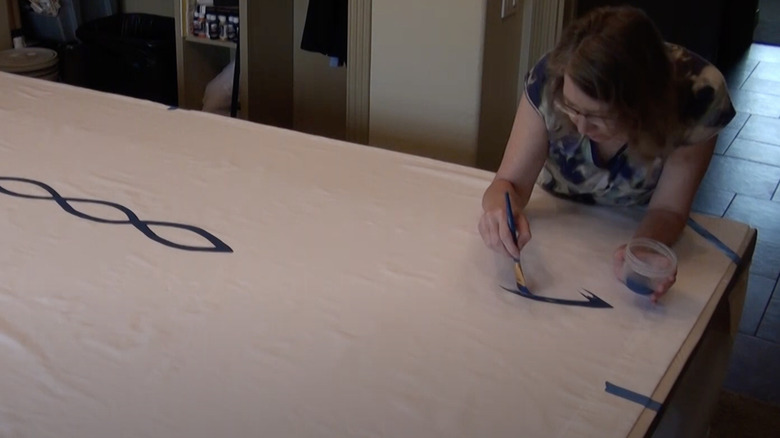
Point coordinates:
[[592, 117]]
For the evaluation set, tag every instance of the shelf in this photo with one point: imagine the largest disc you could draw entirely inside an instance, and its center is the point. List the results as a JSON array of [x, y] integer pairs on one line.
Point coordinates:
[[266, 33], [210, 42]]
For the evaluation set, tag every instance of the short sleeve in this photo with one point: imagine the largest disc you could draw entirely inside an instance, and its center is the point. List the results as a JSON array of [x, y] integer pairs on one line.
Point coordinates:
[[535, 81], [708, 108]]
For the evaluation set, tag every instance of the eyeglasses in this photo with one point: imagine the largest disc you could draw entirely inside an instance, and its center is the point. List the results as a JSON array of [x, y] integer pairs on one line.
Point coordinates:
[[601, 122]]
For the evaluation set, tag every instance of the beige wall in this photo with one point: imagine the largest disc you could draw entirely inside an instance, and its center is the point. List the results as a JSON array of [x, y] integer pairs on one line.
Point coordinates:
[[157, 7], [501, 69], [319, 91], [426, 59]]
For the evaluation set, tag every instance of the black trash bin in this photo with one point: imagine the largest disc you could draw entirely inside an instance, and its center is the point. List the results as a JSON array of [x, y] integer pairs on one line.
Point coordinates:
[[132, 55]]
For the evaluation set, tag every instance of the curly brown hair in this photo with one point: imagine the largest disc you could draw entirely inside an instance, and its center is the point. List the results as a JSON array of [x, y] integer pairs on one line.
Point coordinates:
[[616, 55]]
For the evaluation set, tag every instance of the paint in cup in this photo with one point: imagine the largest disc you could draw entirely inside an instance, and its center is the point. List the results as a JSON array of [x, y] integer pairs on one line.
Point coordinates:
[[647, 264]]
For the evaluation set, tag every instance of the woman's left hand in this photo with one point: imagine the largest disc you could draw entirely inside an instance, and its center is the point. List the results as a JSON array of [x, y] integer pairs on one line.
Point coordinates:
[[619, 258]]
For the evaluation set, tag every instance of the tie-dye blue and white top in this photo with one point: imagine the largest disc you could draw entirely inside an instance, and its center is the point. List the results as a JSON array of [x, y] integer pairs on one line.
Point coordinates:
[[573, 169]]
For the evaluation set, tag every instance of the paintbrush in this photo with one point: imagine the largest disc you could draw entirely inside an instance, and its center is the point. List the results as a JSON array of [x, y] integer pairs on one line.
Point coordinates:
[[510, 218]]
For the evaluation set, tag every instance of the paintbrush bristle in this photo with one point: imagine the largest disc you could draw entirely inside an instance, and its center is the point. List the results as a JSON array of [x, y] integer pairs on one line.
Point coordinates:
[[519, 276]]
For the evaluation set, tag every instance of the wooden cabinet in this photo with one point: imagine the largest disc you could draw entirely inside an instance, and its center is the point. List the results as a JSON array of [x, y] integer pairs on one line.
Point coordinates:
[[265, 49], [5, 34], [5, 24]]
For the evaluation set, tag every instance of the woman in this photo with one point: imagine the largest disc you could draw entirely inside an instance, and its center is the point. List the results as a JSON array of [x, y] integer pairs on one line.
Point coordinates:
[[614, 115]]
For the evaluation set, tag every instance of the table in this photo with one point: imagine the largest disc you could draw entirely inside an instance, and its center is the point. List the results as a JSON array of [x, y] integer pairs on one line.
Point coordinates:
[[181, 274]]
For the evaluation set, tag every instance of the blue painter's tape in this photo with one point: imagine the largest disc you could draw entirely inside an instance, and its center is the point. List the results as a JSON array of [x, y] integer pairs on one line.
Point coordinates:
[[717, 242], [633, 396]]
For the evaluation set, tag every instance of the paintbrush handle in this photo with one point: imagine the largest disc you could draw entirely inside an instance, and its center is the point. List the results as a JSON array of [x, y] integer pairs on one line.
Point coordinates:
[[510, 218]]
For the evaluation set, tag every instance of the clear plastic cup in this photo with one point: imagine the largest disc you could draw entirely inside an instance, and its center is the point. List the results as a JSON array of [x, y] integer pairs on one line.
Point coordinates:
[[647, 264]]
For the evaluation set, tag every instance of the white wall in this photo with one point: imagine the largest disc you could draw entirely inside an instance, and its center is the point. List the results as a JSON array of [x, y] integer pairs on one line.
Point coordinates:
[[426, 63], [156, 7]]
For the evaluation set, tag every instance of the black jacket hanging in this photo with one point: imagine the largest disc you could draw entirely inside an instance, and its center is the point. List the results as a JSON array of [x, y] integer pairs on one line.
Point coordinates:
[[325, 30]]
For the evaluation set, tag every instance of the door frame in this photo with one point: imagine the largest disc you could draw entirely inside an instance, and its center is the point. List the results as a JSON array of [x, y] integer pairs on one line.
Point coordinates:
[[358, 71]]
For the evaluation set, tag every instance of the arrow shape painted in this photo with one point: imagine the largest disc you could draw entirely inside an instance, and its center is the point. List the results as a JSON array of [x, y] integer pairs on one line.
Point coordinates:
[[591, 300]]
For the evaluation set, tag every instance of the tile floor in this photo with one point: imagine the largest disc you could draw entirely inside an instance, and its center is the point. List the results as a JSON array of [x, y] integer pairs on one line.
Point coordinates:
[[742, 184]]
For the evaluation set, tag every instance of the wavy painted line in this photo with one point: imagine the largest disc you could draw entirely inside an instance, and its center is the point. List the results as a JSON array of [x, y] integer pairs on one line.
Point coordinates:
[[132, 219]]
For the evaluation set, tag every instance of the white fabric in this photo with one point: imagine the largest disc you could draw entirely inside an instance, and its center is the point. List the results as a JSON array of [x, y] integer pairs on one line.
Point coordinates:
[[218, 95], [359, 299]]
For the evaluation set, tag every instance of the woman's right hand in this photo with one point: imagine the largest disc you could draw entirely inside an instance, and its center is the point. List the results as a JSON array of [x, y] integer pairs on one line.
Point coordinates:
[[524, 156], [494, 229]]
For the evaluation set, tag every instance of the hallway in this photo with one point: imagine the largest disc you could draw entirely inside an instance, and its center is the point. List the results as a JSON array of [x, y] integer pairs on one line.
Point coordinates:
[[742, 184]]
